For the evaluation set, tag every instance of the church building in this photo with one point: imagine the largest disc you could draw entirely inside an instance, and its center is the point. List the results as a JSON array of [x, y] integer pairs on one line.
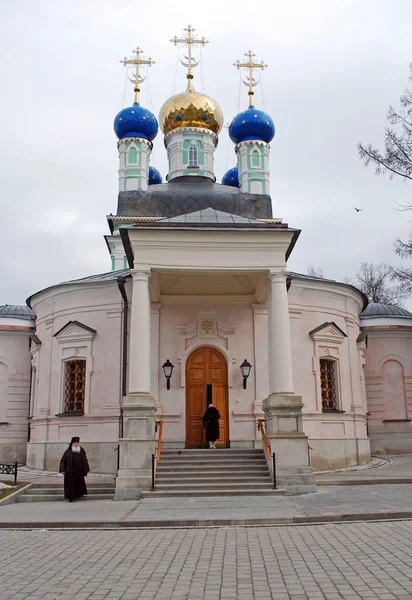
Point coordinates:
[[200, 307]]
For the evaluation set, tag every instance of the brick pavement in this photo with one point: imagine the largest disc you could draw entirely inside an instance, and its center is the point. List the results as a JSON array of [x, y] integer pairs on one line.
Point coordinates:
[[331, 561]]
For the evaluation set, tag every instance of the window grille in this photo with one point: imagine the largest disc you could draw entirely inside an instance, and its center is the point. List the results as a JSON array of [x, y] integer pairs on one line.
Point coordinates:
[[328, 381], [193, 156], [74, 386]]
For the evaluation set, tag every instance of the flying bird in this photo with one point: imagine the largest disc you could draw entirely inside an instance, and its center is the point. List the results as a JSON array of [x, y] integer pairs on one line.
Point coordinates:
[[357, 209]]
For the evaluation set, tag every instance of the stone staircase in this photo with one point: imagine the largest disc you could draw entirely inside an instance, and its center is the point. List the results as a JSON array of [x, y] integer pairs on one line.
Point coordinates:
[[209, 472], [50, 492]]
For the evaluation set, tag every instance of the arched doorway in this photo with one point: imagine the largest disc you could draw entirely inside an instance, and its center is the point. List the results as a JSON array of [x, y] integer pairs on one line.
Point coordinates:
[[206, 381]]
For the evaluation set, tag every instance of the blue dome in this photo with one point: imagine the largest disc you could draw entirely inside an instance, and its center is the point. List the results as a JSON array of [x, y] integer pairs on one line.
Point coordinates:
[[231, 177], [154, 176], [136, 121], [252, 124]]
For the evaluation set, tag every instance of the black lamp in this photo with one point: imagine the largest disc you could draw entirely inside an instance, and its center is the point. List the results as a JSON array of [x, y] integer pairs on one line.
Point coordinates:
[[245, 368], [168, 370]]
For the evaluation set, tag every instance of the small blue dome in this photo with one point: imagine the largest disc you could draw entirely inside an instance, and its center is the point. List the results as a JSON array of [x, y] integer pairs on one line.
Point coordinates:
[[136, 121], [231, 177], [154, 176], [252, 124]]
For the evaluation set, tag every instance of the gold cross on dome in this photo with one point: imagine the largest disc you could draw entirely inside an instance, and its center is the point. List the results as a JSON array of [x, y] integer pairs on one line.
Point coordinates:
[[190, 41], [250, 66], [137, 60]]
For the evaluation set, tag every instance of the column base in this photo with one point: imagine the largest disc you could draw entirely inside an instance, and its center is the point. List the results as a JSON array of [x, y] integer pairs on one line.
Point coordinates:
[[136, 447], [283, 416]]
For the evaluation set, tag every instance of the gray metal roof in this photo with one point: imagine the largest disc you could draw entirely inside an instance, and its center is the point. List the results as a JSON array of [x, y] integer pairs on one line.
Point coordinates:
[[109, 276], [210, 216], [99, 277], [16, 311], [187, 194], [378, 309]]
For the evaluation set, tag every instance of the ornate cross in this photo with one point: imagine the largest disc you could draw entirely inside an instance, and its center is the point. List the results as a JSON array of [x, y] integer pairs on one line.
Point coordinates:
[[137, 60], [190, 41], [250, 66]]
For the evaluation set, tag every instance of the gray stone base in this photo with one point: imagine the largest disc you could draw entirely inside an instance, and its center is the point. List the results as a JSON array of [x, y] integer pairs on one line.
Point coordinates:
[[10, 453], [283, 414], [136, 447], [338, 453], [45, 456], [395, 439]]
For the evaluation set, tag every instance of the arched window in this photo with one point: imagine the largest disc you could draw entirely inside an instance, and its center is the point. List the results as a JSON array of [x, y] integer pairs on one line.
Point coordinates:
[[255, 159], [74, 386], [133, 155], [193, 156], [329, 384]]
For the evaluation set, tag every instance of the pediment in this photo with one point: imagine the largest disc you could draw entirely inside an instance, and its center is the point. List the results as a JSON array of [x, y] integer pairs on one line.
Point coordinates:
[[76, 330], [329, 332]]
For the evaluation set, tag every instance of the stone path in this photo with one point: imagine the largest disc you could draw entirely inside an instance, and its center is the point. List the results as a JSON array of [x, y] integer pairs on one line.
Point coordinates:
[[337, 503], [363, 561]]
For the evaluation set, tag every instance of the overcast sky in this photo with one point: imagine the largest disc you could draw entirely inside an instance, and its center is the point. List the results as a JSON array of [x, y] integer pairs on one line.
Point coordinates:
[[335, 66]]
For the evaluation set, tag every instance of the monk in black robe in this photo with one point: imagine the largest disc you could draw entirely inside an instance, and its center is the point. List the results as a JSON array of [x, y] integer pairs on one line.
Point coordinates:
[[211, 424], [74, 467]]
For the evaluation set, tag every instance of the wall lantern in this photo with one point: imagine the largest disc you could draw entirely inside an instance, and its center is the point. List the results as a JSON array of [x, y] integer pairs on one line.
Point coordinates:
[[168, 370], [245, 368]]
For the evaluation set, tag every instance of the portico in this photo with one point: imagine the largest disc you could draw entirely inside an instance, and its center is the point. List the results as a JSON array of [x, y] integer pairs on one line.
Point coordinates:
[[205, 261]]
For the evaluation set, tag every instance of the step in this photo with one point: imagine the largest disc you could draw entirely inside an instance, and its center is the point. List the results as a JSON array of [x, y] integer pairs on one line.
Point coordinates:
[[56, 498], [59, 484], [251, 465], [212, 493], [40, 491], [217, 482], [212, 486], [221, 464], [213, 476], [194, 451]]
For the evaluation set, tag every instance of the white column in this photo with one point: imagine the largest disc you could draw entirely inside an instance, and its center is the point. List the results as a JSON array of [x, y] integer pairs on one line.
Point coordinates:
[[280, 350], [140, 334]]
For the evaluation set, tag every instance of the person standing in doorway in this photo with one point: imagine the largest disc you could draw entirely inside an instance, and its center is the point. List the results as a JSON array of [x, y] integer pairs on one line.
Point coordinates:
[[211, 424], [74, 467]]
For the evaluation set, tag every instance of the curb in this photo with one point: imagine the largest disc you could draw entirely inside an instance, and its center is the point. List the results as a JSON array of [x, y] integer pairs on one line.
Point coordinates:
[[200, 523], [11, 498], [358, 481]]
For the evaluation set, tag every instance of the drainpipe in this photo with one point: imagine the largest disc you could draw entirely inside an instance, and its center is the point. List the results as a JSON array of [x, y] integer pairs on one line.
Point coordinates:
[[121, 283]]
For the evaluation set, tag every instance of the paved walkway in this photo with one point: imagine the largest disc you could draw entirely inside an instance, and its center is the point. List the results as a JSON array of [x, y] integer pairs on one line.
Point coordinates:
[[362, 561], [329, 503]]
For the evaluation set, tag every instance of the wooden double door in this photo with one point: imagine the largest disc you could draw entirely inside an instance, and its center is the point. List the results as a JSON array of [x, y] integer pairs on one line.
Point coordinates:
[[206, 381]]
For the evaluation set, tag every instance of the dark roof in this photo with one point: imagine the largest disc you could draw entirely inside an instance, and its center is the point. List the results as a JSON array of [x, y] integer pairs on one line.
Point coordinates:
[[379, 309], [100, 277], [16, 311], [82, 325], [325, 325], [188, 194], [209, 218]]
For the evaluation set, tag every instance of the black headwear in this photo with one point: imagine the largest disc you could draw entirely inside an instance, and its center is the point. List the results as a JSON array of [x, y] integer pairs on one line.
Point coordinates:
[[74, 439]]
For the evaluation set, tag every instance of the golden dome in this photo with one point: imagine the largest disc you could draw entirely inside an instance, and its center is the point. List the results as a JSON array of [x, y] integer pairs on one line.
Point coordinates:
[[190, 109]]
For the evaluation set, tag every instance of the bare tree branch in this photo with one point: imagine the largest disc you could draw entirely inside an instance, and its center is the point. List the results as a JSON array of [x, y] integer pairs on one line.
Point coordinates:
[[397, 155]]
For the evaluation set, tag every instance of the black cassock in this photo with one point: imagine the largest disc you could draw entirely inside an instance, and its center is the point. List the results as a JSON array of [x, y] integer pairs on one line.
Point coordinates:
[[75, 467], [211, 423]]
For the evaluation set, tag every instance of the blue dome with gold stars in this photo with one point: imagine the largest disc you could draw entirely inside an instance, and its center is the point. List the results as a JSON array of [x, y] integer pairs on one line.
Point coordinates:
[[154, 176], [136, 121], [231, 177], [252, 124]]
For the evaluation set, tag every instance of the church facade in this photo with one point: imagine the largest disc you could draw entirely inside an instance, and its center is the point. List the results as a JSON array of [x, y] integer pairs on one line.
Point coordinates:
[[200, 307]]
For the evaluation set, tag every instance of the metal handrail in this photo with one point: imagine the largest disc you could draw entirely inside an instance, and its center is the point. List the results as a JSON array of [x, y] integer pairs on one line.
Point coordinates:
[[159, 425], [261, 427]]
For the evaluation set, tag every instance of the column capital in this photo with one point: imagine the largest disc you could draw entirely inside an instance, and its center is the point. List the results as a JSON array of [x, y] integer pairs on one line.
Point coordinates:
[[140, 274], [277, 277]]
